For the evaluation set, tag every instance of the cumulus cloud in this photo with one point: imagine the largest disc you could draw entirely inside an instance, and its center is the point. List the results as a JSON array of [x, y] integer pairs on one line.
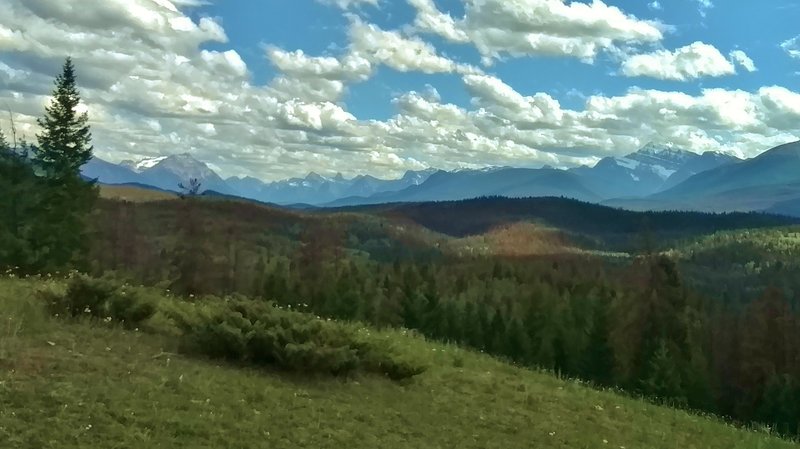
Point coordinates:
[[395, 50], [316, 78], [430, 19], [693, 61], [518, 28]]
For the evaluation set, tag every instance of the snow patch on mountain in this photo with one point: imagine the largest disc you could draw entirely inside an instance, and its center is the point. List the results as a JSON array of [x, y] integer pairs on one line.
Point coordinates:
[[143, 164]]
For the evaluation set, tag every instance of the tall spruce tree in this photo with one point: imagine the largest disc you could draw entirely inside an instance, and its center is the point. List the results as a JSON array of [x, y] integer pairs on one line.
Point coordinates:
[[64, 145], [65, 141]]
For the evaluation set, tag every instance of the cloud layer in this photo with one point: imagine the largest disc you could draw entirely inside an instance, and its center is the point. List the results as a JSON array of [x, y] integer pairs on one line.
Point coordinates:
[[152, 87]]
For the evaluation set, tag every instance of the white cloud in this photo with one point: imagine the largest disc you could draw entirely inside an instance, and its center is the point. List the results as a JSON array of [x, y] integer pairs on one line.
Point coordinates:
[[316, 78], [537, 27], [741, 58], [349, 4], [655, 5], [693, 61], [430, 19], [792, 47], [396, 51]]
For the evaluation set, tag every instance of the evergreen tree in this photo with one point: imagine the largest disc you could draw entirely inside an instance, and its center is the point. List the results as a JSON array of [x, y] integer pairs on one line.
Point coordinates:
[[18, 205], [65, 141], [663, 378], [61, 234]]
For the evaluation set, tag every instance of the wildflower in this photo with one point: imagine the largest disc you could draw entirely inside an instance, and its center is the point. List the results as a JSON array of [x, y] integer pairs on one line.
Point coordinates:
[[605, 441], [552, 434], [87, 310]]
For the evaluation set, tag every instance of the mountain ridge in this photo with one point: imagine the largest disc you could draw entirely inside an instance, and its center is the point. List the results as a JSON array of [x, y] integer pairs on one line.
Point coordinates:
[[657, 176]]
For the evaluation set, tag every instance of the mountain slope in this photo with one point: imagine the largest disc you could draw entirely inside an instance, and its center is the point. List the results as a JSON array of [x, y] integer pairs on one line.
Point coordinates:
[[78, 385], [167, 173], [754, 184], [508, 182], [638, 174], [779, 165], [164, 173], [644, 172], [705, 162], [315, 189], [108, 173]]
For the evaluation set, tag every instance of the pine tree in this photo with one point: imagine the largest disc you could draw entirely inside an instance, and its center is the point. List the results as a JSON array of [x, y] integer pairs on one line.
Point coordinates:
[[65, 141], [17, 204], [663, 378], [61, 229]]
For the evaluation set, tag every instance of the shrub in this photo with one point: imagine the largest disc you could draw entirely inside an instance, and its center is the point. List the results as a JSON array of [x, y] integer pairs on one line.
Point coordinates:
[[261, 334], [99, 298]]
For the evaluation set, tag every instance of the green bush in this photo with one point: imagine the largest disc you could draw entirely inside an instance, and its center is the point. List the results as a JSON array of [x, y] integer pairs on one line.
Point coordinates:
[[259, 333], [99, 298]]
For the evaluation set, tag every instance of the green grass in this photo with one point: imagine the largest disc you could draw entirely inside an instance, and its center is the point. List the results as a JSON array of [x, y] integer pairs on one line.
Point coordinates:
[[93, 385]]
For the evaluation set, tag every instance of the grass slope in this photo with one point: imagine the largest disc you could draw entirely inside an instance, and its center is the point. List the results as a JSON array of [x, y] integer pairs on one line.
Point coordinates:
[[134, 193], [79, 385]]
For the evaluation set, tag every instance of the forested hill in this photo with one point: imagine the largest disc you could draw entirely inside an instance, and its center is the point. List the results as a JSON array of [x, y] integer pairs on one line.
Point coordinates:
[[617, 228]]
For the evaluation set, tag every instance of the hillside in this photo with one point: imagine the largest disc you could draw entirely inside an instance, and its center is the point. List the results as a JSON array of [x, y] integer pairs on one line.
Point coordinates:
[[86, 384], [609, 228], [134, 193]]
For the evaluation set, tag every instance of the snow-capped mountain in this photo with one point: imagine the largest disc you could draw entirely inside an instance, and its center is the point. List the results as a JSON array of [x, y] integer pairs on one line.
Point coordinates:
[[663, 160], [143, 164], [169, 172], [649, 170], [317, 189], [643, 172], [165, 172]]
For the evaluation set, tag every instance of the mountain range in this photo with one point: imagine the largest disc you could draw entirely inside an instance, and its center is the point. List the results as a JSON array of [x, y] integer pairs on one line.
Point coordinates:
[[656, 177]]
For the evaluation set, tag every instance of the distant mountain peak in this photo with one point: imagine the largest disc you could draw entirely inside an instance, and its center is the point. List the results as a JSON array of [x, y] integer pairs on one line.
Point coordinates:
[[663, 149], [315, 177], [143, 164]]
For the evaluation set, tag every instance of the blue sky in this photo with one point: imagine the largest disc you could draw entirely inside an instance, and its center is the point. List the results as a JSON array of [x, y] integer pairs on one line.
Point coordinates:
[[318, 28], [279, 88]]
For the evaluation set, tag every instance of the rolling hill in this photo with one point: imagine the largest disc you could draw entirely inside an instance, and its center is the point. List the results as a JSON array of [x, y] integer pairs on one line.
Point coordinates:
[[601, 227]]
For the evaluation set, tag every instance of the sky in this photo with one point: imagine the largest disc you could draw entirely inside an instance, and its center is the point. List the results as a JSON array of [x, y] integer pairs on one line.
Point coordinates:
[[279, 88]]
